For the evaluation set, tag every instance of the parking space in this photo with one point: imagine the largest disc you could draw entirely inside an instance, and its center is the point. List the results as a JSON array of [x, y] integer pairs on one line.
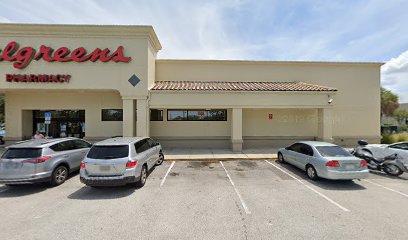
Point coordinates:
[[210, 200]]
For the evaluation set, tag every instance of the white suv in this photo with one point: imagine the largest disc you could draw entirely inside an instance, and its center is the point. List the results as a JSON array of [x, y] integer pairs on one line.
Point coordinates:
[[119, 161]]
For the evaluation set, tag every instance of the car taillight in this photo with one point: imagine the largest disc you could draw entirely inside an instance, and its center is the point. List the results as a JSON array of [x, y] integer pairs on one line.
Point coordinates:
[[82, 165], [363, 163], [131, 164], [37, 160], [333, 163]]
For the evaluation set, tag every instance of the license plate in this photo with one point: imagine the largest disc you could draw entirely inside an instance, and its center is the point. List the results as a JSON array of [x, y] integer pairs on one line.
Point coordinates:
[[350, 166], [10, 165], [104, 168]]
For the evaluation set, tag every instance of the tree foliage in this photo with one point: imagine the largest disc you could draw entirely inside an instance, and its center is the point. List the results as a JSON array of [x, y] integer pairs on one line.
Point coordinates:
[[389, 102], [401, 115]]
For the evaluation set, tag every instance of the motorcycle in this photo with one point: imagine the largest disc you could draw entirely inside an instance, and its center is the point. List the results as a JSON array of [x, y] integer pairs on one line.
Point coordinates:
[[391, 165]]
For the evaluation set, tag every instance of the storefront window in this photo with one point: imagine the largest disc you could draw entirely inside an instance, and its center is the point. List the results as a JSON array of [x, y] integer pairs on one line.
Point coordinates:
[[176, 115], [217, 115], [156, 115], [197, 115], [112, 115], [63, 123]]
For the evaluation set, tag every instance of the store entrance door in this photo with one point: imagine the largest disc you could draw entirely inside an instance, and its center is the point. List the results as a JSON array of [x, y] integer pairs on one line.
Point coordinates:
[[63, 123]]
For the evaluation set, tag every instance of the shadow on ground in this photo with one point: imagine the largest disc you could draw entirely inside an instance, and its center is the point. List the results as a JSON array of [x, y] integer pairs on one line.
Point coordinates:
[[22, 190], [98, 193]]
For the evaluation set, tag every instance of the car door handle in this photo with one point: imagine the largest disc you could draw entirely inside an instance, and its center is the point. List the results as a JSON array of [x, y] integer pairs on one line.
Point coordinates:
[[66, 156]]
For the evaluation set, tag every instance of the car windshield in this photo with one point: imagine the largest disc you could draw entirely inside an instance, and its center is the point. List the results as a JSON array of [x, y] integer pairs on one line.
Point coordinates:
[[108, 152], [333, 151], [13, 153]]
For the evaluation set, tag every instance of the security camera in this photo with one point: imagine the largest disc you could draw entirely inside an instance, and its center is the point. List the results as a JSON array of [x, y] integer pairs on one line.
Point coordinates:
[[330, 101]]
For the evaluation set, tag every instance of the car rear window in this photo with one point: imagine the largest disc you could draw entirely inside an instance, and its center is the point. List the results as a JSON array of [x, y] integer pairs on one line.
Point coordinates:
[[108, 152], [12, 153], [333, 151]]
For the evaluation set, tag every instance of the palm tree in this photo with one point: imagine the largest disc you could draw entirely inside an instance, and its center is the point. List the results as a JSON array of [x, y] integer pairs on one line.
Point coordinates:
[[389, 102]]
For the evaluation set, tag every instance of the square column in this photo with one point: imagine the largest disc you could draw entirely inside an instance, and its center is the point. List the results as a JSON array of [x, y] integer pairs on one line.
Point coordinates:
[[325, 124], [236, 130], [142, 122], [128, 117], [129, 112]]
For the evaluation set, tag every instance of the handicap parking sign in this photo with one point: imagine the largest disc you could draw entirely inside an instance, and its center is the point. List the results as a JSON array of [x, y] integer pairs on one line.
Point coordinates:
[[47, 116]]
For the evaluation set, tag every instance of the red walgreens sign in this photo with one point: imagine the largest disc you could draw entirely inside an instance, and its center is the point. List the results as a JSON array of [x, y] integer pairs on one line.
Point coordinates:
[[22, 57]]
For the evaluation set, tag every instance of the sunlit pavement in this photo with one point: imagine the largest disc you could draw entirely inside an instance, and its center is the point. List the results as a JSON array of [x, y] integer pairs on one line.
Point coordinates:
[[255, 199]]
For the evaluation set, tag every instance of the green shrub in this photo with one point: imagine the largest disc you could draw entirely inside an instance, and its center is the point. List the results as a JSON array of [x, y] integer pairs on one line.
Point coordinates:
[[402, 137], [393, 138], [386, 139]]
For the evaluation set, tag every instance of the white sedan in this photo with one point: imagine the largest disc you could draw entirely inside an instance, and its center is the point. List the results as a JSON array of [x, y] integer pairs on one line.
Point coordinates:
[[383, 150]]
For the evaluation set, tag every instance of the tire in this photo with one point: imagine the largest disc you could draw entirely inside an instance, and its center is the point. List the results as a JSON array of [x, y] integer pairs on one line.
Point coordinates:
[[392, 170], [143, 177], [311, 172], [280, 158], [59, 175], [161, 159]]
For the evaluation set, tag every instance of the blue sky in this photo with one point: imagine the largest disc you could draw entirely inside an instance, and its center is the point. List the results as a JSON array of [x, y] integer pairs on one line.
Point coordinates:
[[308, 30]]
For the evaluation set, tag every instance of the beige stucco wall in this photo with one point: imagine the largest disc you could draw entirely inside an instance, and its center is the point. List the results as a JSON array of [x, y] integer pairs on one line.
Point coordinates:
[[356, 106], [139, 42], [285, 122], [27, 122], [258, 130], [92, 102]]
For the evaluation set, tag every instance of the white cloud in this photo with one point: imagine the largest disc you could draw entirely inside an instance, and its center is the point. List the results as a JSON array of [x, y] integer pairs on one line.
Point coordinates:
[[394, 76], [4, 20]]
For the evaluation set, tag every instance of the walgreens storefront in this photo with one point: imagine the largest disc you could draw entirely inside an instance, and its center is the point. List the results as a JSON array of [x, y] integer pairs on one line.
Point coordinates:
[[96, 82]]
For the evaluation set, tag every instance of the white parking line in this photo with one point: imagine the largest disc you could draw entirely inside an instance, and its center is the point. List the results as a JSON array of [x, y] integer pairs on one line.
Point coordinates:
[[236, 191], [167, 173], [390, 189], [309, 187]]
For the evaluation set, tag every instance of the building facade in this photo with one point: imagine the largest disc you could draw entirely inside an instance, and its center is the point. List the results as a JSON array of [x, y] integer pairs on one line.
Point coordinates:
[[98, 82]]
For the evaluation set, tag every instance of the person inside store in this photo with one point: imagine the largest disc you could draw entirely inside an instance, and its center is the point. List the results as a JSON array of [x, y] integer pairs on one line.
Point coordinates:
[[38, 135]]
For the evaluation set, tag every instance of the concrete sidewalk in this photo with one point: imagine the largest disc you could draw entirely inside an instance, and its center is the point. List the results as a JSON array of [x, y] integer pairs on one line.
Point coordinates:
[[218, 154]]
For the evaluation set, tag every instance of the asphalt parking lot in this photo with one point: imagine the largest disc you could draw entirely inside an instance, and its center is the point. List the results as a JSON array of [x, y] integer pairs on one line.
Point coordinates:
[[201, 200]]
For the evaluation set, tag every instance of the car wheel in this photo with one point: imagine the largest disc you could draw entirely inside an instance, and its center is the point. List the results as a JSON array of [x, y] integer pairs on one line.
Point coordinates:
[[280, 158], [143, 177], [392, 170], [311, 172], [59, 175], [161, 159]]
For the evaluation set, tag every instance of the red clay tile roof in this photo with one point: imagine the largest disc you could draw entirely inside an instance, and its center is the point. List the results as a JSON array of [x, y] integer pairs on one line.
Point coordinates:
[[240, 86]]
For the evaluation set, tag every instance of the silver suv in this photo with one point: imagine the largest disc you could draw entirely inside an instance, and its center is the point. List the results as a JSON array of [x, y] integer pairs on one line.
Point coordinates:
[[121, 160], [42, 160]]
